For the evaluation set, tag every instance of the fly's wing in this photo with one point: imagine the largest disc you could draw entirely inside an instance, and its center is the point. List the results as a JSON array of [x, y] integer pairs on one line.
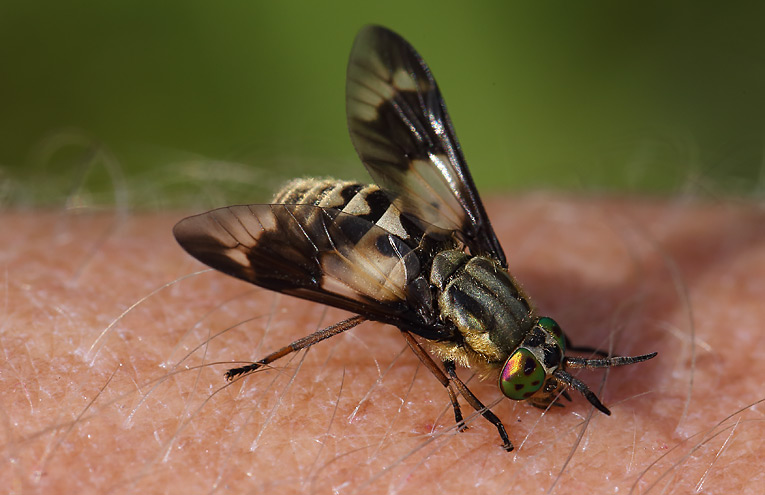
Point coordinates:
[[315, 253], [402, 132]]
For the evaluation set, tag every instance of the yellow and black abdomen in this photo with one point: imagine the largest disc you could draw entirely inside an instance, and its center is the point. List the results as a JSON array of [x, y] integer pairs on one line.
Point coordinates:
[[327, 193], [365, 201]]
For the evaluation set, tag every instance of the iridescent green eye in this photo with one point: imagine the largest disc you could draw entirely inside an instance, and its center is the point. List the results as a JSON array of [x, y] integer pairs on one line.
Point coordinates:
[[551, 326], [522, 375]]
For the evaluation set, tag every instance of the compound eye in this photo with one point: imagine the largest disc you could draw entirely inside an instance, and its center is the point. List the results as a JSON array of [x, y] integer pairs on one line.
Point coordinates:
[[551, 326], [522, 375]]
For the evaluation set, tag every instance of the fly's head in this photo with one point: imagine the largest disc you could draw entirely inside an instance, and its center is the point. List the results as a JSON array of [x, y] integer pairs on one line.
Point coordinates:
[[536, 370], [529, 372]]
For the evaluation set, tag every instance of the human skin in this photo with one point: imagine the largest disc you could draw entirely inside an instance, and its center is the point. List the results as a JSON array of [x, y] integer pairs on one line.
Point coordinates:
[[90, 403]]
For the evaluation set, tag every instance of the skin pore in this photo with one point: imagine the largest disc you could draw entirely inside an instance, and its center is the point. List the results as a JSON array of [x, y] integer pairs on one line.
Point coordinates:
[[91, 403]]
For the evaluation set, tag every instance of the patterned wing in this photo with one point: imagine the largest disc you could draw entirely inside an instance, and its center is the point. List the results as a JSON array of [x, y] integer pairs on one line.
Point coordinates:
[[315, 253], [402, 132]]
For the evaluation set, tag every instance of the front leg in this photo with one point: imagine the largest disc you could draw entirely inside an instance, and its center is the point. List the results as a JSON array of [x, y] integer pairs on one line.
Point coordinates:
[[454, 380], [433, 367], [477, 405]]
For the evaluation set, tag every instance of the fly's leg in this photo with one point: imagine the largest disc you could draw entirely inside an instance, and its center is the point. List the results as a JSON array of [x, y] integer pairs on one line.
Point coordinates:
[[461, 426], [477, 405], [433, 367], [461, 388], [302, 343]]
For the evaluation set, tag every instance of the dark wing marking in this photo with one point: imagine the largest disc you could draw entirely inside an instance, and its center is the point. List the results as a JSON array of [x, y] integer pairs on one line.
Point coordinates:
[[402, 132], [315, 253]]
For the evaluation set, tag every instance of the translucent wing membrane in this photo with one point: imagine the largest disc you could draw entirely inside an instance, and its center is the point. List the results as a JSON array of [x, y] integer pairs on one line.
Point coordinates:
[[316, 253], [401, 130]]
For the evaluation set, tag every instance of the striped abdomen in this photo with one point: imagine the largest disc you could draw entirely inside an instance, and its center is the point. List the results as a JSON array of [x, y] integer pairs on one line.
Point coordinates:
[[366, 201]]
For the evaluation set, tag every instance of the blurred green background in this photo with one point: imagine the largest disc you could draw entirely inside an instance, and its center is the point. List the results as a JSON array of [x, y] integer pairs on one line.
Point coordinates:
[[158, 104]]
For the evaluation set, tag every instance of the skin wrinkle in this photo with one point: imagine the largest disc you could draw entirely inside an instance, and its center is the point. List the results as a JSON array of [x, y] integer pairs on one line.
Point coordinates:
[[46, 384]]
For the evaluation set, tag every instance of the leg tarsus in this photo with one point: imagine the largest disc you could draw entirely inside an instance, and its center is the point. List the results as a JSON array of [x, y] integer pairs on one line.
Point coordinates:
[[242, 370], [461, 426]]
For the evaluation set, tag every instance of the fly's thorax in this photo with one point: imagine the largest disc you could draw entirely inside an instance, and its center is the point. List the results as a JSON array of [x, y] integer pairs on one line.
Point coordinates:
[[483, 302], [528, 372]]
